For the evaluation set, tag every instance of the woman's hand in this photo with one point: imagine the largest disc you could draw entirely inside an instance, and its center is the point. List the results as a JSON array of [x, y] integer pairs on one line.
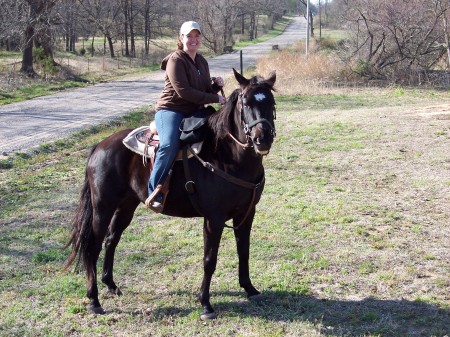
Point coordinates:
[[219, 81], [222, 99]]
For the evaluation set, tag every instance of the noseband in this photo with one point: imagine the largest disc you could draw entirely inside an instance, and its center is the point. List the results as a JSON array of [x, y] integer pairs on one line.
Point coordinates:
[[248, 126]]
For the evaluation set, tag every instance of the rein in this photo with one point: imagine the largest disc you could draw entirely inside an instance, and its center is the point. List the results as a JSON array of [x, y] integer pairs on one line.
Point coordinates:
[[244, 146], [247, 127], [228, 177]]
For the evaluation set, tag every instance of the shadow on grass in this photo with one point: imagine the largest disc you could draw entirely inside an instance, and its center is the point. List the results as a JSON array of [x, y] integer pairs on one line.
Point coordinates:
[[335, 317]]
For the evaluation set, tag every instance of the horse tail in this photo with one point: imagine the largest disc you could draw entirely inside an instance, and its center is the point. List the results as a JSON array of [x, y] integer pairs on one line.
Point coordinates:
[[81, 224]]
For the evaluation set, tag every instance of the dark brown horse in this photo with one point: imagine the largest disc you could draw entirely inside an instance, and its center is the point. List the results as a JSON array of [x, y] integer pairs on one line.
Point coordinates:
[[229, 180]]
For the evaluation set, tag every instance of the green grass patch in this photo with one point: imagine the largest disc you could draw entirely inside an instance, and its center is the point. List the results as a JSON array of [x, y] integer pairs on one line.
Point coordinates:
[[337, 247], [363, 98], [36, 90], [49, 255]]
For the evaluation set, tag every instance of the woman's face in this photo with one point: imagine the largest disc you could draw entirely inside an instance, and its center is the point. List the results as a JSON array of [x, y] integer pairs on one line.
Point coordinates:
[[192, 41]]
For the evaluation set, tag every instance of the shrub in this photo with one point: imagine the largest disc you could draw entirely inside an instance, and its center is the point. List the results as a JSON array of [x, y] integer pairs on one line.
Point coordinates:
[[299, 74]]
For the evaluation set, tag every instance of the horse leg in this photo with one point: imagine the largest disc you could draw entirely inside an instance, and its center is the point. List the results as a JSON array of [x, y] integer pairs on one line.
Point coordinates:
[[211, 237], [100, 224], [242, 236], [120, 221]]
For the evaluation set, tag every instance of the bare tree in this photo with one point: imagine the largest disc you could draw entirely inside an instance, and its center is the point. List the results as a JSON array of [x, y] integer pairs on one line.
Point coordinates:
[[105, 16], [443, 6], [37, 29], [25, 24], [216, 18], [152, 11], [12, 21], [68, 12], [140, 17], [388, 36]]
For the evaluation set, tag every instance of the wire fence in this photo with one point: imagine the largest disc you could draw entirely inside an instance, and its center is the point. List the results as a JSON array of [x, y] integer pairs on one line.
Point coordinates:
[[82, 65]]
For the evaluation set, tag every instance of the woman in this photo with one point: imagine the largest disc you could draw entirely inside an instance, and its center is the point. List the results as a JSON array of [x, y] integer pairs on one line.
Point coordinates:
[[187, 88]]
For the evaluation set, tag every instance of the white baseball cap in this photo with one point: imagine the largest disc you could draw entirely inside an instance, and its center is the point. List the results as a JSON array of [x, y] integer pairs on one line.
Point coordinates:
[[188, 26]]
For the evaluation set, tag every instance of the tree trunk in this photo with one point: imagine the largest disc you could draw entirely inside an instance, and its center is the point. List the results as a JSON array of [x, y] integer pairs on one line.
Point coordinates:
[[111, 45], [251, 30], [147, 27], [73, 40], [67, 38], [224, 36], [132, 39], [27, 54], [447, 42], [92, 46], [39, 11], [125, 13]]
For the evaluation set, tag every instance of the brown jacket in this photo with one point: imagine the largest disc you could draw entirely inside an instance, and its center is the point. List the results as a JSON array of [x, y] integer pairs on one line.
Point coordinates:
[[187, 85]]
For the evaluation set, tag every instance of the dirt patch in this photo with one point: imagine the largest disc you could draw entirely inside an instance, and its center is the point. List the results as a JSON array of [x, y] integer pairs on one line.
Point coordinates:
[[398, 191]]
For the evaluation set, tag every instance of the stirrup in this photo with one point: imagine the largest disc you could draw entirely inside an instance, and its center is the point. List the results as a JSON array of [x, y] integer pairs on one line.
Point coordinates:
[[150, 200], [162, 189]]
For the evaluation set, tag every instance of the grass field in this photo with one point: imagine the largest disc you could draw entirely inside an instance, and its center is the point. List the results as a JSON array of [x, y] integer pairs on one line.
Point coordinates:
[[351, 237]]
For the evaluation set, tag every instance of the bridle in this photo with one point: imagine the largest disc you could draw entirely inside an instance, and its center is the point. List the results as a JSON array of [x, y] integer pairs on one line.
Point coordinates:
[[247, 126]]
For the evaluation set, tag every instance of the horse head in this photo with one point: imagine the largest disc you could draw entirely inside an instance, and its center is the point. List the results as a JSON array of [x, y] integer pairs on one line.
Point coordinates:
[[256, 105]]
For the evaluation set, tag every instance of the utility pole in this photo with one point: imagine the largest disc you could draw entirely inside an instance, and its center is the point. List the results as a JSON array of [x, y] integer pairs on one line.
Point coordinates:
[[320, 21], [307, 28]]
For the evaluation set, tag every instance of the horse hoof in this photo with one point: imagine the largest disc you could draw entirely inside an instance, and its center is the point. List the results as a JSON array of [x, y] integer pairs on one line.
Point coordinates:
[[96, 310], [206, 316], [115, 291], [255, 298]]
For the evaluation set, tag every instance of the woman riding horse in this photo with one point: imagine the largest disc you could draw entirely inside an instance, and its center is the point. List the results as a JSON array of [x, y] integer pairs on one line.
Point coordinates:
[[228, 176], [187, 88]]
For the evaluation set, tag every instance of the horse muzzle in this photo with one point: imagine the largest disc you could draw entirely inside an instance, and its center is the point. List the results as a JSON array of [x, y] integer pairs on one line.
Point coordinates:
[[262, 141]]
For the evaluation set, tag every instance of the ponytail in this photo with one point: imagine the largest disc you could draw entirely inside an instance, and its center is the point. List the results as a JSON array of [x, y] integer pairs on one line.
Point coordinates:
[[179, 43]]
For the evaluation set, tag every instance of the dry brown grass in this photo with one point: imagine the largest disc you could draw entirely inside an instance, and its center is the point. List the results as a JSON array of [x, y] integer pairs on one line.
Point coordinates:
[[301, 74]]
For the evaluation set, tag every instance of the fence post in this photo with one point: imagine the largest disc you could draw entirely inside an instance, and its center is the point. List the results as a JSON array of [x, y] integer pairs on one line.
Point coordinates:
[[242, 63]]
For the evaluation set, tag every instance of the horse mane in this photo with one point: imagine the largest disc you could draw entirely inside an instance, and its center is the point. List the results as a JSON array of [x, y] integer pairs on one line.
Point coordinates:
[[222, 121]]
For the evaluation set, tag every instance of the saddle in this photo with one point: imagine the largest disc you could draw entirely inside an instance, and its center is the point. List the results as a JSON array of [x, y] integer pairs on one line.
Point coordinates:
[[144, 141]]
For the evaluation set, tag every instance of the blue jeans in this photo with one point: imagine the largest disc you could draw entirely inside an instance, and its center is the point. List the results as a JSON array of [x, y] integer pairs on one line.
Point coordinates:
[[167, 124]]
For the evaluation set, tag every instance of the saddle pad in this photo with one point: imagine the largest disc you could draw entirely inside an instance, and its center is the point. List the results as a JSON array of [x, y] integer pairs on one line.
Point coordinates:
[[137, 138]]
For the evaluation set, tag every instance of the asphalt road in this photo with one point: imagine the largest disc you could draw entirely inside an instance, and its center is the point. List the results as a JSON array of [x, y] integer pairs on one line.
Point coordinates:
[[27, 124]]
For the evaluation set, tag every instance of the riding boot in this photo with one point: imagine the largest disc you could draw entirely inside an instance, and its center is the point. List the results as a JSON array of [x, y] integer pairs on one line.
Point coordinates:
[[160, 191]]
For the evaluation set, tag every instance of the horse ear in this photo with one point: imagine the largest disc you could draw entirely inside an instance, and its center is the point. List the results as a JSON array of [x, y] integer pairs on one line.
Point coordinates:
[[271, 78], [241, 79]]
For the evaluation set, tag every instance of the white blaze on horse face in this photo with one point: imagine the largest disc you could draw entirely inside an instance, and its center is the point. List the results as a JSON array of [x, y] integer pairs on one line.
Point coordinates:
[[260, 97]]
